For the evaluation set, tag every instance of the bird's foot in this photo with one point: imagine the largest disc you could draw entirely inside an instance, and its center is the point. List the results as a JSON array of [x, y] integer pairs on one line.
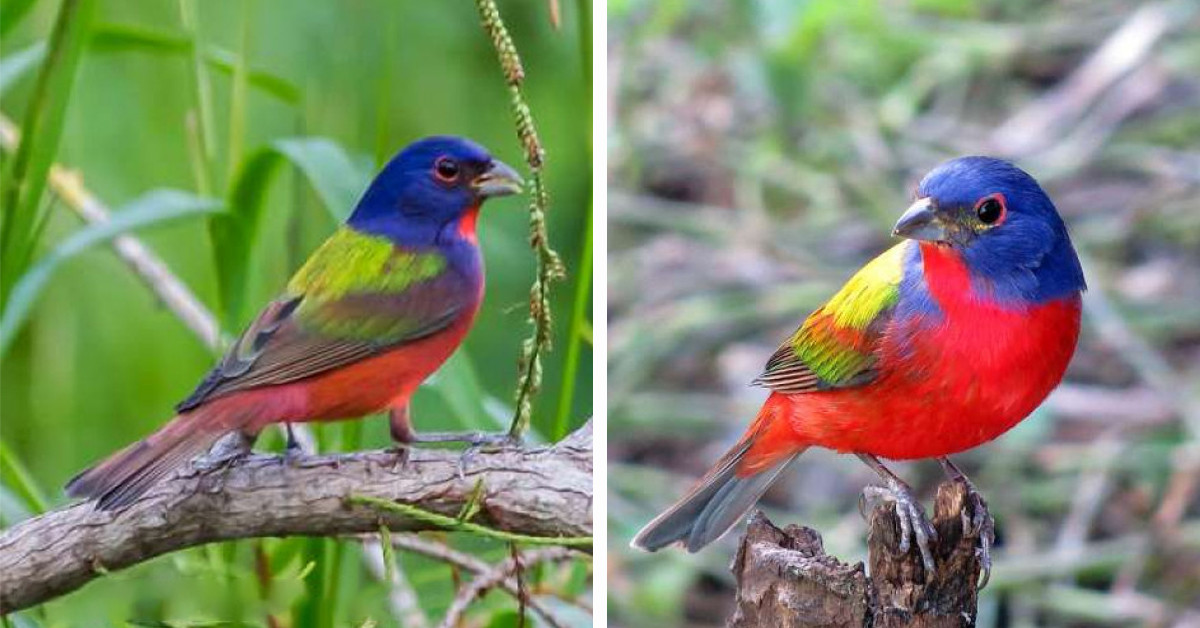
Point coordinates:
[[914, 525], [475, 441], [472, 439], [293, 454], [402, 453], [229, 449], [981, 525]]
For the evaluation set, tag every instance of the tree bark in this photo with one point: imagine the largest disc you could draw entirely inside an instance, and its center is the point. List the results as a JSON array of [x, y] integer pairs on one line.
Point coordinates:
[[786, 580], [543, 491]]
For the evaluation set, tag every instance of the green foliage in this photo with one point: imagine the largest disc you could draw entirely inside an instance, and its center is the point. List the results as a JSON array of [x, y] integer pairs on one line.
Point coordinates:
[[14, 474], [25, 179], [157, 207], [125, 38]]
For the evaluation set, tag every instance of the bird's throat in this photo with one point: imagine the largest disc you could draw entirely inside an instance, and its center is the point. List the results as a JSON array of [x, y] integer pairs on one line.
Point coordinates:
[[466, 224]]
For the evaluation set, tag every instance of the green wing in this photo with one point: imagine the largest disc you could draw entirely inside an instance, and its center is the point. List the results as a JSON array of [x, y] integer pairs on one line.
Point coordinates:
[[837, 346], [356, 297]]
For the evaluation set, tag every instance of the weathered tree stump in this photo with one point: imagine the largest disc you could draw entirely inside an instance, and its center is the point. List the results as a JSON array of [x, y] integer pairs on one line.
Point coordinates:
[[786, 580]]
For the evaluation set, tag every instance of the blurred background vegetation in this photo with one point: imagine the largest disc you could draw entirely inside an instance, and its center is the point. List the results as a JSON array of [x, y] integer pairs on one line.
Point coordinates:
[[275, 114], [760, 151]]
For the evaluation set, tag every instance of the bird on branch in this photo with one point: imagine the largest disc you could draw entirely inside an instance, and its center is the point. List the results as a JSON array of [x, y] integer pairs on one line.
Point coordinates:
[[942, 343], [372, 313]]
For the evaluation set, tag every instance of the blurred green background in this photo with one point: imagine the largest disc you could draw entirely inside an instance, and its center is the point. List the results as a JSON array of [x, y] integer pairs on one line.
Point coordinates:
[[759, 153], [100, 362]]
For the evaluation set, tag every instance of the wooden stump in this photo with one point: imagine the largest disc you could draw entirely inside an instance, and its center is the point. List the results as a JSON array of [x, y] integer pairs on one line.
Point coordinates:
[[786, 580]]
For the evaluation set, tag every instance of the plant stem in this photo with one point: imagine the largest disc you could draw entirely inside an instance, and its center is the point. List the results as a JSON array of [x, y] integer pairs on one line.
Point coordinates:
[[205, 140], [549, 266], [452, 524]]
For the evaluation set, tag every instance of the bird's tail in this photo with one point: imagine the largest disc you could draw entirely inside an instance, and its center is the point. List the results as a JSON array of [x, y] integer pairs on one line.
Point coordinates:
[[727, 492], [125, 475]]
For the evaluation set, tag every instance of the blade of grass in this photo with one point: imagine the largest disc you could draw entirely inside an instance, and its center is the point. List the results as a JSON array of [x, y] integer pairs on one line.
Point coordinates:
[[575, 334], [117, 38], [15, 66], [14, 475], [202, 92], [307, 610], [42, 126], [337, 177], [14, 10], [383, 106], [237, 95], [68, 188], [153, 208]]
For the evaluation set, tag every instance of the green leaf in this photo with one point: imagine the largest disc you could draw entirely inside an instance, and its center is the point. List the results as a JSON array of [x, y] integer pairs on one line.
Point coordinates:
[[575, 334], [13, 11], [16, 65], [153, 208], [41, 127], [117, 38], [336, 177], [16, 476]]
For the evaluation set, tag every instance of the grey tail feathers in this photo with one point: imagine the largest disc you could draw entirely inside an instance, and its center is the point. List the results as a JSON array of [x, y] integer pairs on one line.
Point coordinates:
[[718, 501], [126, 475]]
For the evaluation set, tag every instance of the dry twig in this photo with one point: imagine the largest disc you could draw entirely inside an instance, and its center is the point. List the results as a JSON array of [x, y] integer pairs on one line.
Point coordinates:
[[497, 576]]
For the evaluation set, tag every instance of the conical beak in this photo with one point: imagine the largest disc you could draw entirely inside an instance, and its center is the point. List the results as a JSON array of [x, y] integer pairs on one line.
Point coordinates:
[[921, 222], [500, 179]]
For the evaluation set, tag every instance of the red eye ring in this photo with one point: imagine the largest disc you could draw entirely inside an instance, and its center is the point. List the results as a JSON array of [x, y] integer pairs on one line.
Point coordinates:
[[992, 209], [446, 169]]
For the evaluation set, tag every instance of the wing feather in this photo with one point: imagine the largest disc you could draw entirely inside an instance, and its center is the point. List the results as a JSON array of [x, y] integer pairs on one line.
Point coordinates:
[[331, 320], [837, 346]]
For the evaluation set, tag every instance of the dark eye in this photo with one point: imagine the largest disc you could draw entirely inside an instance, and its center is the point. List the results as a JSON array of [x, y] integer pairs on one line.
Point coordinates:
[[989, 211], [446, 169]]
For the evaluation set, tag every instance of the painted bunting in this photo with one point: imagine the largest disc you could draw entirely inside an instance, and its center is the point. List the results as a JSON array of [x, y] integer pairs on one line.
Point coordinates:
[[373, 312], [944, 342]]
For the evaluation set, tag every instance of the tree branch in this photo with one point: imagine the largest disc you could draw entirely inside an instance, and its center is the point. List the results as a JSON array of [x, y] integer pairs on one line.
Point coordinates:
[[543, 491]]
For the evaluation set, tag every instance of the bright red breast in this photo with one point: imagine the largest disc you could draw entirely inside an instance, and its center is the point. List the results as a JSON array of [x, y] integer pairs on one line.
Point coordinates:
[[944, 385]]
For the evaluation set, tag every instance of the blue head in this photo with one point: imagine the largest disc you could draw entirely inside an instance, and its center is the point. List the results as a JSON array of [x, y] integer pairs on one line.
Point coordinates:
[[429, 192], [1003, 225]]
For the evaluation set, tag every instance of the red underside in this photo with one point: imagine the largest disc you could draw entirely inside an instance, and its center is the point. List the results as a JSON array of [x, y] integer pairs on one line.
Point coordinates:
[[959, 384], [379, 383]]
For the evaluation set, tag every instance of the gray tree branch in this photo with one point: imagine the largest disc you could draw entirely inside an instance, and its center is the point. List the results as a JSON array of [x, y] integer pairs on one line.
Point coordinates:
[[545, 491]]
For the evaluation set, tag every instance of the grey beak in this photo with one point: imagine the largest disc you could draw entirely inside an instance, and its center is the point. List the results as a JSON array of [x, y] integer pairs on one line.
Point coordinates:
[[500, 179], [921, 222]]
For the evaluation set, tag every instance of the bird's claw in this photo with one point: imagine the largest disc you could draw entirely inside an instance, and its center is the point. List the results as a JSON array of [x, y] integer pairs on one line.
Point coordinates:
[[229, 449], [464, 460], [476, 442], [981, 525], [914, 525], [401, 459], [293, 454]]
